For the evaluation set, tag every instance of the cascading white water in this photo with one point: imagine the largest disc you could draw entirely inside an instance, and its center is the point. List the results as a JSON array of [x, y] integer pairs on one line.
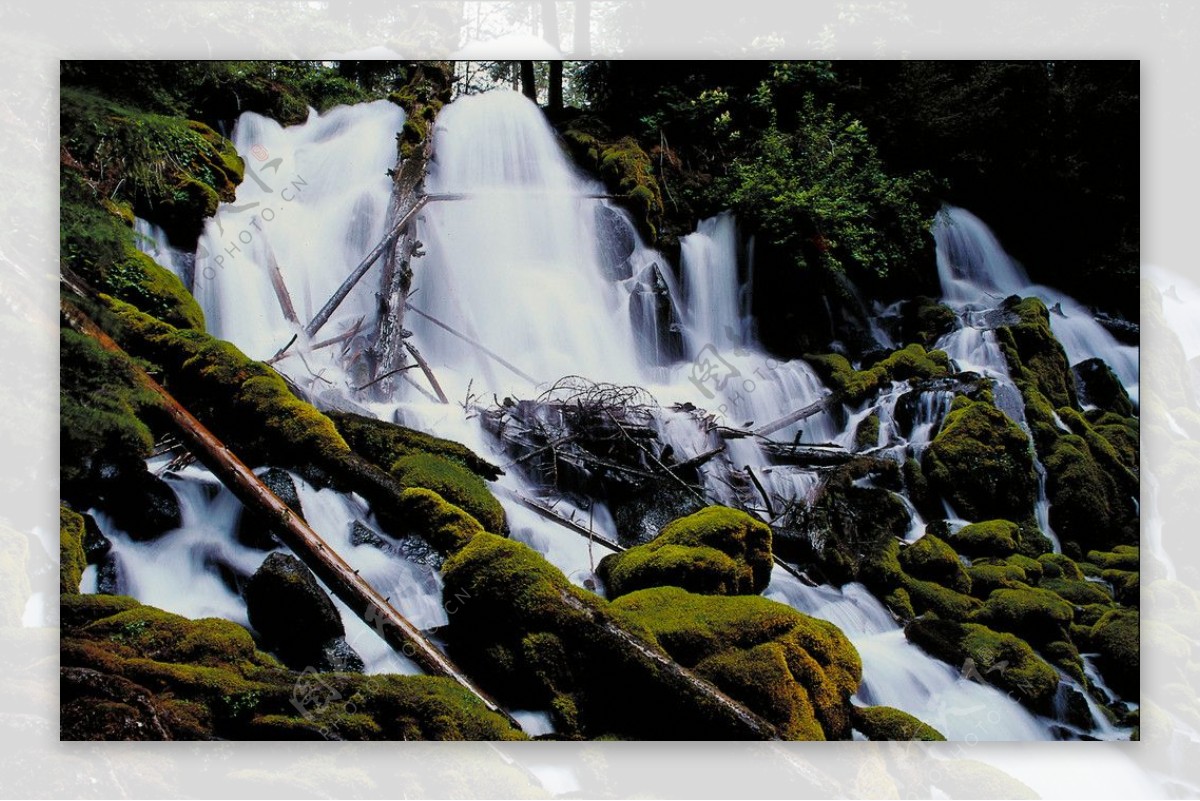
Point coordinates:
[[519, 257]]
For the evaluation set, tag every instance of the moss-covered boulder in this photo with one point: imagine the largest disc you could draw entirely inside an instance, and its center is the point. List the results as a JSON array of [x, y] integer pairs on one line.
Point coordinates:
[[1087, 506], [931, 559], [1122, 557], [987, 538], [445, 526], [1034, 353], [993, 657], [1099, 386], [383, 443], [925, 320], [716, 551], [72, 559], [452, 481], [908, 595], [1115, 636], [866, 434], [856, 386], [886, 723], [796, 671], [624, 167], [136, 672], [1034, 614], [994, 576], [981, 461]]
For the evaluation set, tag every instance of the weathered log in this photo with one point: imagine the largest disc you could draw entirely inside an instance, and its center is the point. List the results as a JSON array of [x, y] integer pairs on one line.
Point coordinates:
[[342, 579], [666, 470], [322, 316], [281, 291], [762, 491], [796, 416], [427, 370], [544, 511], [808, 455]]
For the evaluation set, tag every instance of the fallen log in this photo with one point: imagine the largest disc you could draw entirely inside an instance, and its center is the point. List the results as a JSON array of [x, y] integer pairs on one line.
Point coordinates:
[[808, 455], [796, 416], [544, 511], [281, 291], [427, 370], [477, 345], [328, 566]]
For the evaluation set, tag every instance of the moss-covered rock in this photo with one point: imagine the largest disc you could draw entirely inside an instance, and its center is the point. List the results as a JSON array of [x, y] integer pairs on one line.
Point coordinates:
[[1034, 353], [1122, 557], [988, 577], [1098, 386], [856, 386], [994, 657], [981, 461], [72, 560], [866, 435], [1034, 614], [1115, 636], [925, 320], [1086, 505], [883, 573], [889, 724], [1078, 592], [1126, 585], [445, 526], [453, 482], [383, 443], [932, 559], [203, 679], [716, 551], [625, 168], [796, 671], [987, 538]]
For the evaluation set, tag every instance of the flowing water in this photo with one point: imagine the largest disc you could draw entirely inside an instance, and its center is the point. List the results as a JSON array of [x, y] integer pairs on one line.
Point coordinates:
[[525, 256]]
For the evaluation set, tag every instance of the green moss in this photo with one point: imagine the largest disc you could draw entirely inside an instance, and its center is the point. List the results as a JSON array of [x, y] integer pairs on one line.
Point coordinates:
[[383, 443], [102, 407], [846, 525], [1032, 567], [987, 538], [866, 436], [1115, 636], [78, 609], [246, 403], [445, 526], [173, 171], [884, 574], [1035, 614], [167, 637], [716, 551], [797, 672], [428, 708], [888, 724], [985, 578], [72, 560], [1065, 655], [932, 559], [625, 168], [1034, 353], [1078, 592], [856, 386], [1122, 557], [1126, 585], [994, 657], [452, 481], [1057, 565], [1100, 386], [980, 460]]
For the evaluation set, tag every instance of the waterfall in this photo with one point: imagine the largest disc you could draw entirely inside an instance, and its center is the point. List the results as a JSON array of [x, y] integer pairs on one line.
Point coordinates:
[[524, 254]]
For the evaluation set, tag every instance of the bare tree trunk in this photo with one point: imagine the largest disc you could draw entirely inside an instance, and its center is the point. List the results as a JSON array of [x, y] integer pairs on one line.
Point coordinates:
[[555, 102], [550, 22], [528, 82]]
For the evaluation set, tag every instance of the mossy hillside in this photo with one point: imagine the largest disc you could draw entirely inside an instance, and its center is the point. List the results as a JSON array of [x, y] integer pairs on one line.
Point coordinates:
[[1034, 353], [626, 169], [885, 723], [452, 481], [796, 671], [996, 657], [103, 409], [174, 172], [981, 461], [884, 574], [204, 679], [97, 242], [716, 551], [244, 402], [72, 559], [383, 443], [856, 386]]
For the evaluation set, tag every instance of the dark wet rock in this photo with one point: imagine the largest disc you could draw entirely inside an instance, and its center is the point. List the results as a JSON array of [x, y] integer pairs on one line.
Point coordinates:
[[290, 611], [256, 532], [139, 502], [1098, 386], [97, 706], [95, 545], [616, 240]]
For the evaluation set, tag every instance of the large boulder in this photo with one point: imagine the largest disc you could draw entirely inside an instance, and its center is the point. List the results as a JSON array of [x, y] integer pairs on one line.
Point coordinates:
[[1098, 386], [294, 616], [716, 551]]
